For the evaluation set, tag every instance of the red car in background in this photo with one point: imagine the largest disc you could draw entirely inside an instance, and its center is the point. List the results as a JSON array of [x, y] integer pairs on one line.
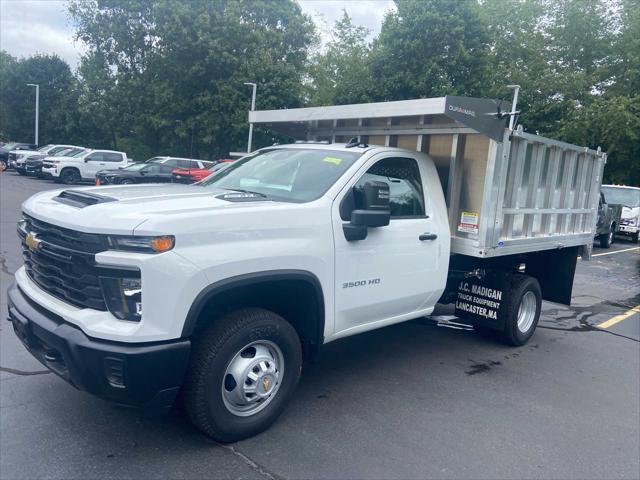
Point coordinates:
[[192, 175]]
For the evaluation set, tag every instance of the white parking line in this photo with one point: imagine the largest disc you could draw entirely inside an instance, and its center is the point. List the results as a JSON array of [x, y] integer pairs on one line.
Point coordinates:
[[617, 251]]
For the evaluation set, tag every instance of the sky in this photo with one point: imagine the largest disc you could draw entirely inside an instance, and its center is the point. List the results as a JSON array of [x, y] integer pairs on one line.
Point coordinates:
[[43, 26]]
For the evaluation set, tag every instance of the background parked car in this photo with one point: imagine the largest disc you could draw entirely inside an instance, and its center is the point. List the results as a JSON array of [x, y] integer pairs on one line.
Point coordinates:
[[33, 163], [192, 175], [17, 160], [629, 198], [82, 166], [10, 147], [153, 172], [608, 221]]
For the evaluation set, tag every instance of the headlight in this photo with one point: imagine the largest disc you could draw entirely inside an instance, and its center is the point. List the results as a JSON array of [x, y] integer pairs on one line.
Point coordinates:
[[142, 244], [123, 297]]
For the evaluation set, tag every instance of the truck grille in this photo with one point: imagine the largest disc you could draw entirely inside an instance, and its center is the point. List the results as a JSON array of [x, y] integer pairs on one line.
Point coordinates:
[[63, 264]]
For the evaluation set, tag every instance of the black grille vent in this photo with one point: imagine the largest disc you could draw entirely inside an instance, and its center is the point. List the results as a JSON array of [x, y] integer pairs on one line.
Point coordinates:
[[81, 199], [63, 263]]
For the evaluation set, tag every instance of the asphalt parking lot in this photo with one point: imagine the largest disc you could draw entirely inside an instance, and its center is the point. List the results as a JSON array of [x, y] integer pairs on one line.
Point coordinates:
[[415, 400]]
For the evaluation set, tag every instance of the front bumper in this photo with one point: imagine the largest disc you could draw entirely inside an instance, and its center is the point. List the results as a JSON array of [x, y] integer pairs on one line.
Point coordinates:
[[33, 169], [145, 375], [50, 171], [629, 229]]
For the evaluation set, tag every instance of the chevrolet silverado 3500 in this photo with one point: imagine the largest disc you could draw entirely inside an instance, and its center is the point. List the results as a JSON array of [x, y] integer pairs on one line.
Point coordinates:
[[218, 291]]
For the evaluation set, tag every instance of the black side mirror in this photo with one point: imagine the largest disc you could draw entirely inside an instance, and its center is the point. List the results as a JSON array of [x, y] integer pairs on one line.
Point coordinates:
[[375, 212]]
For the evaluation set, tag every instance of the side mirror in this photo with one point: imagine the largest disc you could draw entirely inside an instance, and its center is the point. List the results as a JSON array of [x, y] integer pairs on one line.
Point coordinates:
[[86, 159], [375, 212]]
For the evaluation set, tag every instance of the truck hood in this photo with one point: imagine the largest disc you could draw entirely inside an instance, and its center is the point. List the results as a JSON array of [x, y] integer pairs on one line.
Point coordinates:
[[630, 212], [120, 209]]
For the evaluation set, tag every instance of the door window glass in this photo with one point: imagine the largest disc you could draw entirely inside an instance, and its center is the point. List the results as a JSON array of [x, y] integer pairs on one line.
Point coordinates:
[[95, 157], [406, 197], [112, 157]]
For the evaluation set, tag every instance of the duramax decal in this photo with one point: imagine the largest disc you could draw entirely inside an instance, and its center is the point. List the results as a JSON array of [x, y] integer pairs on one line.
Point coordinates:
[[361, 283]]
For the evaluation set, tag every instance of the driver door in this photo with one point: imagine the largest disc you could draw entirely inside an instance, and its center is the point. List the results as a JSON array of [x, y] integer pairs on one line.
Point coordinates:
[[93, 163], [397, 269]]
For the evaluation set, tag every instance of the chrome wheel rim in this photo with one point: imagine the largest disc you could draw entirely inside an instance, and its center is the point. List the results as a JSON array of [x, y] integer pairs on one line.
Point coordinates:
[[252, 378], [611, 237], [527, 311]]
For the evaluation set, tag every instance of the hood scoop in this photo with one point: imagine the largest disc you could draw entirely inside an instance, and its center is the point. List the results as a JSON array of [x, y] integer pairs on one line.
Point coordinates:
[[80, 199]]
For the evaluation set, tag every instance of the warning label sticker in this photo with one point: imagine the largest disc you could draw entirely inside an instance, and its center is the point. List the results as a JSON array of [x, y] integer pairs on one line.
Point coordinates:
[[468, 222]]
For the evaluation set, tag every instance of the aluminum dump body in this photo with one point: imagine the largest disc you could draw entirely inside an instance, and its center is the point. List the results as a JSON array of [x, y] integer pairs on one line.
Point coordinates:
[[507, 191]]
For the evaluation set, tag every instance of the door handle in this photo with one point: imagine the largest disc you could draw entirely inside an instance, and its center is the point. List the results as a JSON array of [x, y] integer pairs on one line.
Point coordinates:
[[427, 236]]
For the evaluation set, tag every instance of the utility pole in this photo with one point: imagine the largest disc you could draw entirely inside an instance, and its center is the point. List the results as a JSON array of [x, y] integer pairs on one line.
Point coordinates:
[[37, 107], [253, 107]]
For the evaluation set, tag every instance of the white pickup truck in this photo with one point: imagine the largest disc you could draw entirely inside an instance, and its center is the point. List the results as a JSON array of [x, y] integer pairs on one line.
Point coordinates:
[[82, 166], [218, 291]]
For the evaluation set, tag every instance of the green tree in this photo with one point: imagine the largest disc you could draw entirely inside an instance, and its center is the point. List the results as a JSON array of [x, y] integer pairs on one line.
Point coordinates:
[[340, 74], [186, 63], [431, 48], [58, 98]]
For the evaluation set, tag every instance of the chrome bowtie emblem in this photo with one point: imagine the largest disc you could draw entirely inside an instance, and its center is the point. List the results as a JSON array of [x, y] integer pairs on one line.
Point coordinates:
[[32, 241]]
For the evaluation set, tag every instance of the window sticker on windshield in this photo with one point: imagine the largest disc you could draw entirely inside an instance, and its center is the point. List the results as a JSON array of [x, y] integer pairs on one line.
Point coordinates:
[[334, 160]]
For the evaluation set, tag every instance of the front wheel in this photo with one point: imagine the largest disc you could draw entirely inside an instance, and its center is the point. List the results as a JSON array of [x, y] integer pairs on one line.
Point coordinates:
[[3, 165], [522, 312], [634, 237], [126, 181], [243, 371], [607, 239], [70, 176]]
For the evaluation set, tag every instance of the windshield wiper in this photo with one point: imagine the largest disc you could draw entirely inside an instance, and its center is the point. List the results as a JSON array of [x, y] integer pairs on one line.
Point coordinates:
[[246, 191]]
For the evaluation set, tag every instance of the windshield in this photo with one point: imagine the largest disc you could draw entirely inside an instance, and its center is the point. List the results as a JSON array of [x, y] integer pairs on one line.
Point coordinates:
[[629, 197], [9, 146], [285, 174], [46, 147], [154, 159], [71, 152], [135, 167], [78, 154]]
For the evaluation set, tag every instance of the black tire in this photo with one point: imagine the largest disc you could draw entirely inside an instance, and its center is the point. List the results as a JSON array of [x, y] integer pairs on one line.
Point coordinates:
[[126, 181], [70, 176], [213, 352], [634, 237], [607, 239], [520, 285], [20, 171]]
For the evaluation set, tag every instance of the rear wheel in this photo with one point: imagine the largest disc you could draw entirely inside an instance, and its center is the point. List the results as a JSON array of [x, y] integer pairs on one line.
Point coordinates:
[[243, 371], [522, 310], [70, 176]]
